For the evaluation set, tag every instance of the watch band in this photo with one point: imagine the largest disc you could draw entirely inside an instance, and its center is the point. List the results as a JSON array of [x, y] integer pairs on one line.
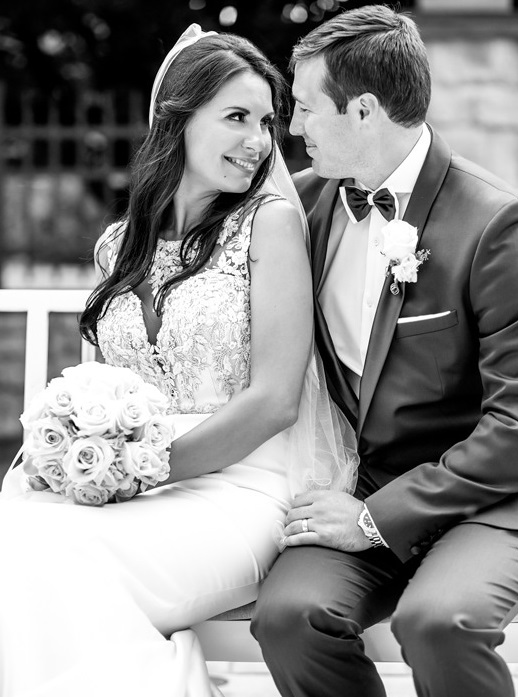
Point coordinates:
[[369, 529]]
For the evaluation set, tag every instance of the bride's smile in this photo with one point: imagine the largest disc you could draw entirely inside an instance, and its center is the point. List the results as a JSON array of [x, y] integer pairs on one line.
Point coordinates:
[[246, 165]]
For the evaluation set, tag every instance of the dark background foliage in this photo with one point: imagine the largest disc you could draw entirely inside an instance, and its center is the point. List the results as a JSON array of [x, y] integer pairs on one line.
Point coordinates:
[[60, 45]]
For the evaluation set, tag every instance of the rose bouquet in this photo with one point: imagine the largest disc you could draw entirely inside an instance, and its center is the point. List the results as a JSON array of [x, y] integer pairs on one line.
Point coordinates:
[[97, 434]]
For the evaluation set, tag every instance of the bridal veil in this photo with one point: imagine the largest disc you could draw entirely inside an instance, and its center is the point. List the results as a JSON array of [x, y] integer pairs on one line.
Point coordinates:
[[322, 443]]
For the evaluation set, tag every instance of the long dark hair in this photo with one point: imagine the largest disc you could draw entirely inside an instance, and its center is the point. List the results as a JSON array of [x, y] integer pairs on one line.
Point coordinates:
[[194, 78]]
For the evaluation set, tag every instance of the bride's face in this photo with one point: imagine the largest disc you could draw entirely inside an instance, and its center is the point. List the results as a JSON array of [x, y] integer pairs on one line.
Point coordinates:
[[228, 138]]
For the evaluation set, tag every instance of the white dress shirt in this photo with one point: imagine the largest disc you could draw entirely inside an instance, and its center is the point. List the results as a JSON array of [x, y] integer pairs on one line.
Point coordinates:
[[354, 270]]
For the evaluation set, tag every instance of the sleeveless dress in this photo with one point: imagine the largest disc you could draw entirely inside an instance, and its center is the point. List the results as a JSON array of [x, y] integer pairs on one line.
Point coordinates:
[[99, 601]]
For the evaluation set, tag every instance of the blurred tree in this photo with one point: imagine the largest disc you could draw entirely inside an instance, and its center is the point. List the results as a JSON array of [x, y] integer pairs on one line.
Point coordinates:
[[51, 45]]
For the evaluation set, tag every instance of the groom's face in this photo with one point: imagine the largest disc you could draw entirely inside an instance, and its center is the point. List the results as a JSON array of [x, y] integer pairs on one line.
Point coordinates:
[[334, 142]]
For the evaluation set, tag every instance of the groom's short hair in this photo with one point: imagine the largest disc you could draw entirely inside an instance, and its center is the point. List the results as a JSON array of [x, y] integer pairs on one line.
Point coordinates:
[[372, 49]]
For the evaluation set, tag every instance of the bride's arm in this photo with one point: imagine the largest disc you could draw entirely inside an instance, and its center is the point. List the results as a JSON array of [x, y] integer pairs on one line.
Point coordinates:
[[281, 331]]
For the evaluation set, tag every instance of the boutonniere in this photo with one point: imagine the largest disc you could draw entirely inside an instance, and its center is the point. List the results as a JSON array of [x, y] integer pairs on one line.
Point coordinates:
[[399, 244]]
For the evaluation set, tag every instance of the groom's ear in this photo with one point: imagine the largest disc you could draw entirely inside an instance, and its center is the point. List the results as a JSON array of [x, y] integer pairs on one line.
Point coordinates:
[[367, 106]]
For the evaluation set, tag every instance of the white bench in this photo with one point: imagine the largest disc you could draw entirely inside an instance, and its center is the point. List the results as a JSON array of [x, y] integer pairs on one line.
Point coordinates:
[[227, 637]]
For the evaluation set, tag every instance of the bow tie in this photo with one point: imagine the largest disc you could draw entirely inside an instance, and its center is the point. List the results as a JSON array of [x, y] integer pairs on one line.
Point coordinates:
[[360, 202]]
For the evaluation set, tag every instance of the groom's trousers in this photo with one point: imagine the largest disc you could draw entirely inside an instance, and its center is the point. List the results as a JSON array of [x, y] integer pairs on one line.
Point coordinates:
[[448, 611]]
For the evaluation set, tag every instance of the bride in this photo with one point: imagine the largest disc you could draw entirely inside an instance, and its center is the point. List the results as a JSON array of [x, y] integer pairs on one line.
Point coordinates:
[[204, 291]]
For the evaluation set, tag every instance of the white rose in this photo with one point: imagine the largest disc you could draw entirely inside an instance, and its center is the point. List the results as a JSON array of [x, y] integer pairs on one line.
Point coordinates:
[[48, 437], [88, 460], [128, 493], [158, 432], [406, 270], [33, 479], [118, 476], [130, 384], [399, 239], [149, 468], [156, 400], [50, 469], [81, 375], [59, 397], [37, 484], [132, 412], [165, 467], [37, 409], [88, 494], [95, 417], [112, 380]]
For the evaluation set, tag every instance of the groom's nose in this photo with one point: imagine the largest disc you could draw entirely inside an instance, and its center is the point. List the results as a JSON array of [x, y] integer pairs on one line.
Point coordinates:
[[296, 124]]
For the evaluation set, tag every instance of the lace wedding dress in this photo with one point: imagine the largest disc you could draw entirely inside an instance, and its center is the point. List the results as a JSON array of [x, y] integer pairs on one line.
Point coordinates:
[[98, 601]]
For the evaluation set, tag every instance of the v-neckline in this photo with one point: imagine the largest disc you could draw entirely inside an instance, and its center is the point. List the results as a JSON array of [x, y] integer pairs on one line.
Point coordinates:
[[140, 311], [162, 244], [154, 346]]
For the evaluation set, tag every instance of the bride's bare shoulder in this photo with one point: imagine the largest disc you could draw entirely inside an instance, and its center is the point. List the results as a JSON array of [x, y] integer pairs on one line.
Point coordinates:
[[277, 216]]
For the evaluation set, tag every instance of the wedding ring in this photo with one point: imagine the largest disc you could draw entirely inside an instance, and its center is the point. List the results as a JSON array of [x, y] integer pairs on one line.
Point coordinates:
[[305, 527]]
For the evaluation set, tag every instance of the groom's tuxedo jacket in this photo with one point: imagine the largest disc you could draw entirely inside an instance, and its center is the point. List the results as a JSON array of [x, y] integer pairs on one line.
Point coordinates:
[[437, 415]]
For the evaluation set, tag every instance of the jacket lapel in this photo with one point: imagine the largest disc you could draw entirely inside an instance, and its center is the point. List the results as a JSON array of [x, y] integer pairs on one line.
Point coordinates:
[[423, 196], [320, 219], [337, 374]]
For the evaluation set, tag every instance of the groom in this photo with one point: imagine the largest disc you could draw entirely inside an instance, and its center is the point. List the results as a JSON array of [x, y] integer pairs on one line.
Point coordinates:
[[418, 329]]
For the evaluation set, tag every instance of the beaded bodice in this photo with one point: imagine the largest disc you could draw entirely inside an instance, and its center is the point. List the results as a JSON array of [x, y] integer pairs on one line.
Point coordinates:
[[202, 352]]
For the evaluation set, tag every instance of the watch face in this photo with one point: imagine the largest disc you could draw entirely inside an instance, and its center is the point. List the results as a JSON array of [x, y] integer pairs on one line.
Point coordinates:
[[367, 521]]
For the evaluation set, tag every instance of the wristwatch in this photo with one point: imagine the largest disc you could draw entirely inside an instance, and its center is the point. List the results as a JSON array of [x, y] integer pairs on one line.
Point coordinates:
[[368, 528]]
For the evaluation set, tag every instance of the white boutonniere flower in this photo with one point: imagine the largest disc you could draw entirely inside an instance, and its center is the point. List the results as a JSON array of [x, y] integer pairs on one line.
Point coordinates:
[[399, 246]]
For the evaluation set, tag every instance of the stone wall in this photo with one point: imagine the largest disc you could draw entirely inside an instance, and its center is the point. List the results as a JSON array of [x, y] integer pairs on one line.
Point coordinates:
[[474, 64]]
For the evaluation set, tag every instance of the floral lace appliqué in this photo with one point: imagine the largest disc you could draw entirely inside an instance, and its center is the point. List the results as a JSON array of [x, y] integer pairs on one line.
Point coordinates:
[[202, 352], [165, 264]]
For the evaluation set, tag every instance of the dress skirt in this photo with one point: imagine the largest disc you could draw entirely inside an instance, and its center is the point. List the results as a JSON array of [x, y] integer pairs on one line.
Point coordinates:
[[98, 601]]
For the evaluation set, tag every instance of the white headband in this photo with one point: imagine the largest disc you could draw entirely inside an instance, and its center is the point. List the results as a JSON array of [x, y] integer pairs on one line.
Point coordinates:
[[191, 35]]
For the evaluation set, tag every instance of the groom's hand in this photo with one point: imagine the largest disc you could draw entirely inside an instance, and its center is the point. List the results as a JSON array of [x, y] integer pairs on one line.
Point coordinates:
[[331, 521]]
